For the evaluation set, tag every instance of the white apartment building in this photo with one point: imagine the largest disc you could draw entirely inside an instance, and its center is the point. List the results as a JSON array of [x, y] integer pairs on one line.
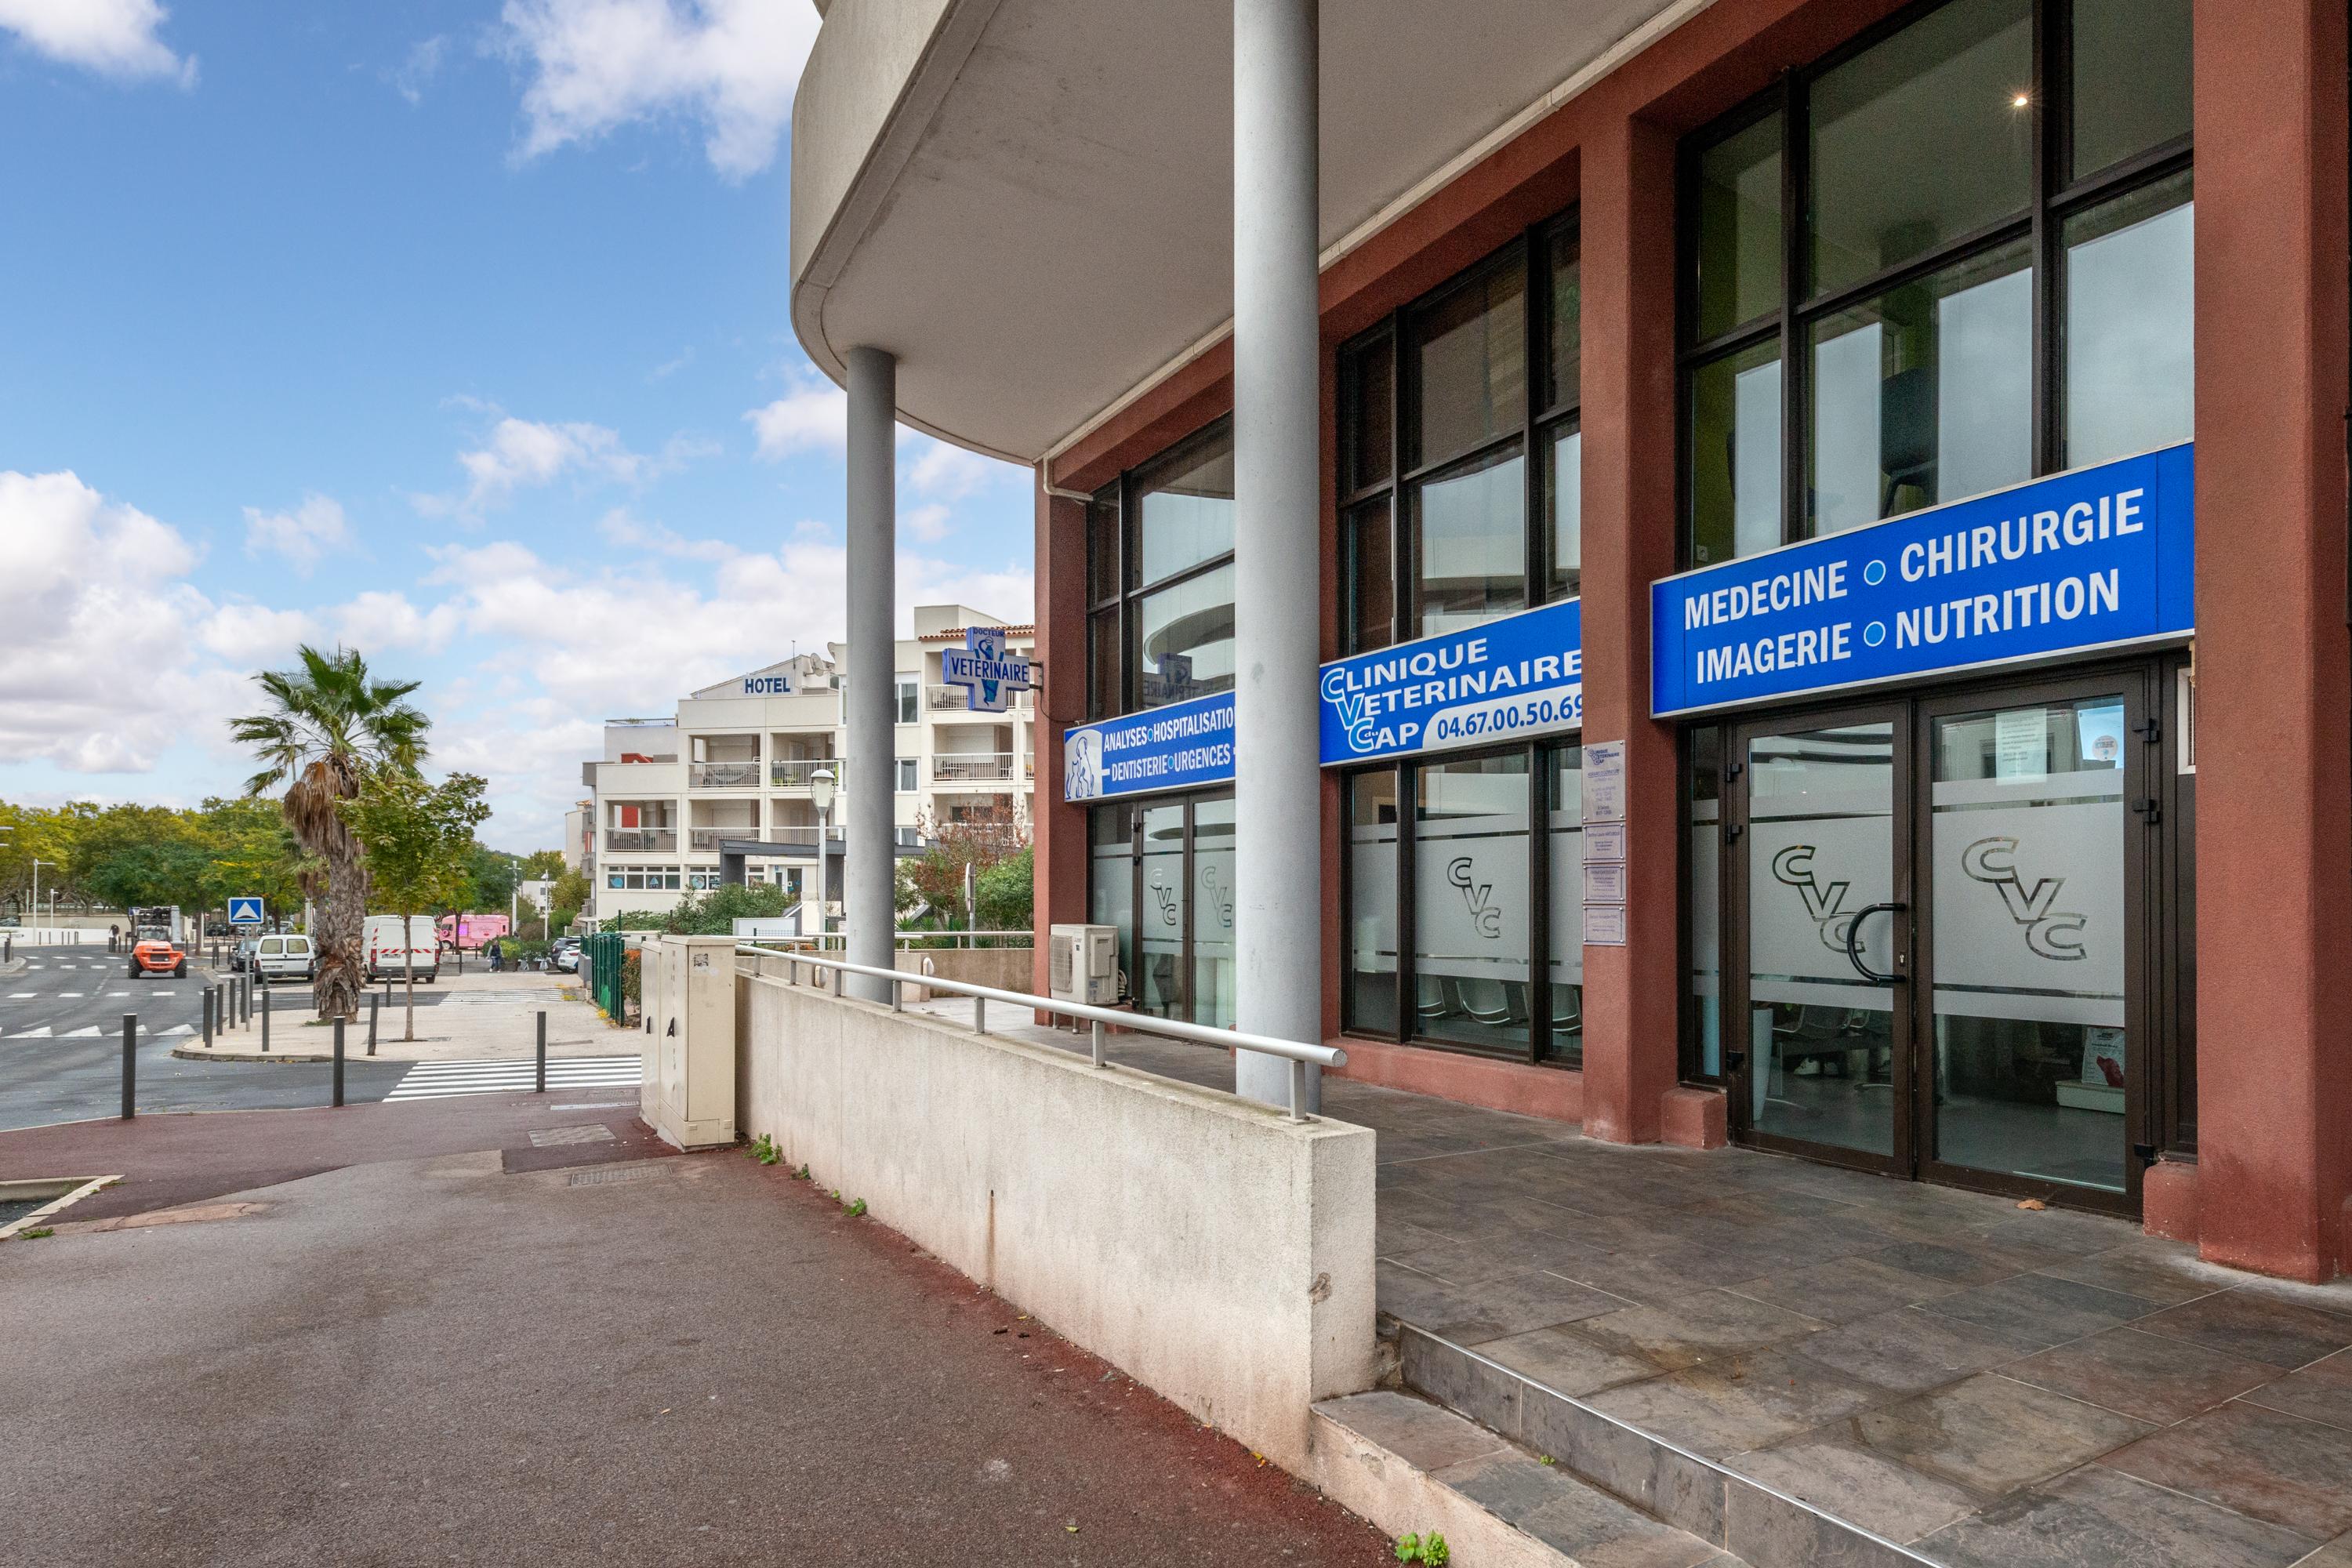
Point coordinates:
[[739, 760]]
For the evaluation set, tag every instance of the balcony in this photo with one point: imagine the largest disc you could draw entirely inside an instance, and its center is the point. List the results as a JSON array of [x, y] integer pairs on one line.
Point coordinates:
[[655, 840], [799, 772], [944, 698], [723, 775], [704, 840], [971, 767]]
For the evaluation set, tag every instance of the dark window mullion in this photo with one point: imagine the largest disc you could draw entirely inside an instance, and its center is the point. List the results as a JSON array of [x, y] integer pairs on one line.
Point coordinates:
[[1535, 344], [1542, 760], [1408, 788], [1178, 579], [2155, 164], [1992, 237], [2048, 141], [1794, 275], [1466, 457], [1402, 600]]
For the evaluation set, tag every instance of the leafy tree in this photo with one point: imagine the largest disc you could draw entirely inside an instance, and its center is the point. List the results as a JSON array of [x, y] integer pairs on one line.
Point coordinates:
[[714, 913], [492, 875], [1007, 893], [130, 855], [418, 839], [568, 898], [543, 866], [931, 886], [328, 723]]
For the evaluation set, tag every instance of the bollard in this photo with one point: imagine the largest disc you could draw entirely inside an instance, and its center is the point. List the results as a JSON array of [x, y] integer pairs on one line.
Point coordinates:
[[980, 1014], [1099, 1044], [265, 1017], [220, 1005], [375, 1005], [244, 999], [542, 1051], [339, 1059], [208, 1018], [130, 1066]]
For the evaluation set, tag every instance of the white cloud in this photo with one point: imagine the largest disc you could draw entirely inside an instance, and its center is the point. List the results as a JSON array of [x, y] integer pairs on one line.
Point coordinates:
[[113, 38], [729, 65], [810, 419], [521, 454], [619, 528], [381, 619], [941, 469], [302, 536], [928, 524], [253, 635], [414, 73]]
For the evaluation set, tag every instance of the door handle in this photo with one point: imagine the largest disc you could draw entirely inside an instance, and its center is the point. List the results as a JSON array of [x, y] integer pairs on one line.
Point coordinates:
[[1854, 943]]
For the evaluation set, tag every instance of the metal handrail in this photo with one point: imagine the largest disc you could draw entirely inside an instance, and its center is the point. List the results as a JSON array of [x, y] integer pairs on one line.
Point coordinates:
[[1297, 1053], [907, 938]]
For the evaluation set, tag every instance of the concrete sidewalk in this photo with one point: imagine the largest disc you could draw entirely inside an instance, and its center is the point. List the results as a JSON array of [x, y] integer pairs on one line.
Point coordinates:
[[474, 1016], [685, 1361]]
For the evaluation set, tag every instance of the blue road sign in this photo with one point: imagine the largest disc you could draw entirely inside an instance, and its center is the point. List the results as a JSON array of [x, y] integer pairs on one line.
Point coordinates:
[[245, 911]]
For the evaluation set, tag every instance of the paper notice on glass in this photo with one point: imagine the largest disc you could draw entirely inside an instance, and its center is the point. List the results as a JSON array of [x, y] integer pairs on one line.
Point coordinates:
[[2020, 744], [1604, 841], [1604, 926], [1604, 780], [1605, 881]]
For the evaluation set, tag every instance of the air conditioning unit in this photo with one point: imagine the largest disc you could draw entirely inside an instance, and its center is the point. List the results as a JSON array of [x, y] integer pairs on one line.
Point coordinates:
[[1083, 964]]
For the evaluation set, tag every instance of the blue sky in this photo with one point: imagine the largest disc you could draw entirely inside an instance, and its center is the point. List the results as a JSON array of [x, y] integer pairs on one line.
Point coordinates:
[[457, 329]]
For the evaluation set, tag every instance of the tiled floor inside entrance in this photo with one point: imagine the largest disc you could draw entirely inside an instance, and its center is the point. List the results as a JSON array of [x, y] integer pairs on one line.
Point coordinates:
[[1986, 1385]]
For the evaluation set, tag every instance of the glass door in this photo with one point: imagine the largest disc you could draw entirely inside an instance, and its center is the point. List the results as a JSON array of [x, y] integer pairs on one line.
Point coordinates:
[[2028, 945], [1817, 885]]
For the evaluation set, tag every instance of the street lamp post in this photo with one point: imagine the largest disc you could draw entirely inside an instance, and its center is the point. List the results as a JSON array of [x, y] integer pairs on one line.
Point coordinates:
[[821, 793]]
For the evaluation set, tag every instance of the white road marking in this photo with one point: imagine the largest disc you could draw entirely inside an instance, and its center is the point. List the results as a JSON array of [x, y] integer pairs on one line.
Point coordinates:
[[79, 1034], [440, 1080], [23, 995], [40, 1033], [69, 995]]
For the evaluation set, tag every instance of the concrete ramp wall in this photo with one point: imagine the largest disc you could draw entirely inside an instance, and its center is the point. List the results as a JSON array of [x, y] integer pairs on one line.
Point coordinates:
[[1216, 1251]]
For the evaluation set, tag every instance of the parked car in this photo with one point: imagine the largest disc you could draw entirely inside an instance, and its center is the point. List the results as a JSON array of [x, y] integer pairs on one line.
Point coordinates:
[[386, 956], [564, 955], [240, 957], [285, 958], [217, 928], [11, 920]]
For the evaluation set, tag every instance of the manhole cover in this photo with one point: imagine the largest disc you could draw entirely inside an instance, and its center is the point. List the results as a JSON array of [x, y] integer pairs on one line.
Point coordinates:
[[610, 1176], [545, 1138]]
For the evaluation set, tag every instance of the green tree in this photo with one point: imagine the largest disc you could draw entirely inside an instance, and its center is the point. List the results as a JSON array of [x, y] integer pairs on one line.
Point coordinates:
[[133, 855], [714, 913], [931, 886], [493, 876], [543, 866], [1007, 893], [252, 852], [326, 724], [567, 898], [418, 839]]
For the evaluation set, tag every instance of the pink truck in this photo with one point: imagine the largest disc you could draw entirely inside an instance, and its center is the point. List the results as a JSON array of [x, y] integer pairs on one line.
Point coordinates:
[[469, 932]]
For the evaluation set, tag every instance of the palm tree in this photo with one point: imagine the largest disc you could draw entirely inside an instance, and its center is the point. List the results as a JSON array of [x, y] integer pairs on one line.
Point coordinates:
[[329, 722]]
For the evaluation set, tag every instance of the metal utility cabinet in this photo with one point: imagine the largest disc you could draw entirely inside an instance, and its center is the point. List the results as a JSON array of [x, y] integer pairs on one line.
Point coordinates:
[[690, 1007]]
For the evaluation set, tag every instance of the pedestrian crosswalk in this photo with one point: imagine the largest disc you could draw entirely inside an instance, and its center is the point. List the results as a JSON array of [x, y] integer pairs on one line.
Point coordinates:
[[440, 1080], [92, 1031]]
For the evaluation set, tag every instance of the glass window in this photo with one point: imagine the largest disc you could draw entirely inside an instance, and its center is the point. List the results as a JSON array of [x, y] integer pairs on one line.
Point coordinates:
[[1468, 356], [1368, 423], [1105, 677], [905, 776], [1102, 547], [1160, 939], [1563, 505], [2131, 324], [909, 696], [1371, 578], [1370, 997], [2131, 79], [1564, 374], [1213, 911], [1921, 139], [1187, 509], [1471, 926], [1735, 474], [1470, 543], [1187, 639], [1737, 196], [1564, 844], [1110, 899], [1925, 392], [1702, 850]]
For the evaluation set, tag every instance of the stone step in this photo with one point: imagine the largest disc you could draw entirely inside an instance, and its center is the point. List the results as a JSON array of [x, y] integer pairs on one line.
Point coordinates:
[[1752, 1522], [1411, 1467]]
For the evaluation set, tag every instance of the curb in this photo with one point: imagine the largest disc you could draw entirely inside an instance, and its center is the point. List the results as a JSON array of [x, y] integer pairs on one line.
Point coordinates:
[[198, 1054]]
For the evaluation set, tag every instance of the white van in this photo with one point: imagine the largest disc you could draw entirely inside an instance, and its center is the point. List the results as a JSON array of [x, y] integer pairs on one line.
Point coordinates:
[[388, 957], [285, 958]]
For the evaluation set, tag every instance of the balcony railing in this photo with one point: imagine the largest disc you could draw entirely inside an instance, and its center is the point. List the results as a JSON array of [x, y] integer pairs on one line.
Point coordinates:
[[657, 839], [971, 767], [948, 696], [706, 840], [723, 775], [799, 772]]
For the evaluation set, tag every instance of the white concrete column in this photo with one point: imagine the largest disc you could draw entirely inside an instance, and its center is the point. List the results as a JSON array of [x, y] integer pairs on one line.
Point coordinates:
[[870, 873], [1278, 832]]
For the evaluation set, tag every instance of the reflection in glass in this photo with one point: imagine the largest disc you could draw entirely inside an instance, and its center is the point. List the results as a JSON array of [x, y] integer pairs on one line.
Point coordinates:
[[1187, 509], [1160, 923], [1468, 355], [2027, 867], [1111, 897], [1369, 426], [2131, 79], [1924, 394], [1563, 487], [1102, 547], [1564, 844], [1213, 912], [1821, 808], [1471, 543], [1471, 927], [1738, 197], [1188, 639], [2131, 324], [1921, 139], [1735, 482], [1372, 903], [1563, 380], [1370, 579], [1105, 680], [1703, 787]]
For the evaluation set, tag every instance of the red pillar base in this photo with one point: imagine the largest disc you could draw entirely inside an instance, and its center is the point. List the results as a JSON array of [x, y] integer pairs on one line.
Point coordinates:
[[1555, 1094], [2168, 1200], [1694, 1117]]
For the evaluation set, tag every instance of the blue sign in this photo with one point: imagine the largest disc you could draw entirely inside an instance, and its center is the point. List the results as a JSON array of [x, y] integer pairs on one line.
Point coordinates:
[[2099, 558], [245, 911], [1501, 680], [983, 669], [1179, 746]]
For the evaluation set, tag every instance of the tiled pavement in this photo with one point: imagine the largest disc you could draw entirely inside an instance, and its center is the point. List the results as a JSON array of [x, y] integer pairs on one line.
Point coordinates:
[[1986, 1385]]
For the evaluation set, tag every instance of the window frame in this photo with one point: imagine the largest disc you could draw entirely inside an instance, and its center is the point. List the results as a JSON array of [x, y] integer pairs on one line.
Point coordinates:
[[1540, 421], [1121, 503], [2055, 195]]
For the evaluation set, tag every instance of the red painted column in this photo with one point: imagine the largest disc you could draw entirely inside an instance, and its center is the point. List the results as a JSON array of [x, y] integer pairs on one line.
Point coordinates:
[[1060, 830], [2273, 665], [1631, 993]]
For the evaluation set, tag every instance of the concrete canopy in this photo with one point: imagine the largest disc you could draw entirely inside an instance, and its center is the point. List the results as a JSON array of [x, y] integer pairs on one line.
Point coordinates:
[[1030, 202]]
